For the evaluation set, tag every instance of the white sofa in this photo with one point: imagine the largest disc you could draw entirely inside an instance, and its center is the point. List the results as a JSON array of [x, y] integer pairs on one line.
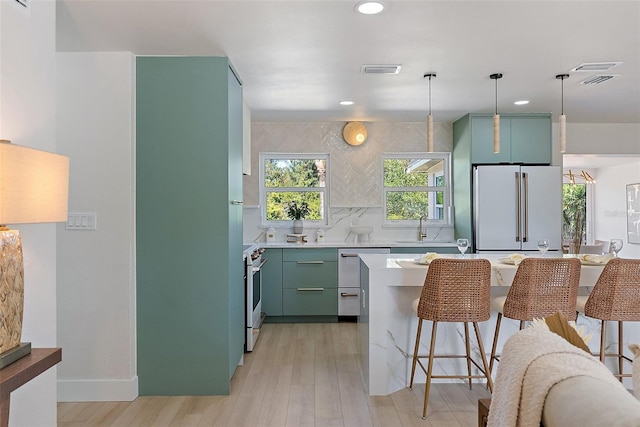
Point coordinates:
[[541, 377], [586, 401]]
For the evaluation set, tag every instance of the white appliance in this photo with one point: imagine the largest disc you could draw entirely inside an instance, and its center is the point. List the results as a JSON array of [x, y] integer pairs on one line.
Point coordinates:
[[514, 206], [349, 278], [254, 316]]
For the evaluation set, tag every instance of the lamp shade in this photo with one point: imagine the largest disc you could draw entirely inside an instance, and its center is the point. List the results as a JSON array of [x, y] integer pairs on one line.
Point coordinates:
[[34, 185], [355, 133]]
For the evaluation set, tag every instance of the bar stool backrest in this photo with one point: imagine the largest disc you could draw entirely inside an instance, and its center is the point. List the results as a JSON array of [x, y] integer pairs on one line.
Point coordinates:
[[542, 287], [456, 290], [616, 294]]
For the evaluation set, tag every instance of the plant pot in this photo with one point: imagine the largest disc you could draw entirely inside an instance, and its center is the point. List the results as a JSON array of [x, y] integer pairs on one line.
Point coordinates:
[[297, 226]]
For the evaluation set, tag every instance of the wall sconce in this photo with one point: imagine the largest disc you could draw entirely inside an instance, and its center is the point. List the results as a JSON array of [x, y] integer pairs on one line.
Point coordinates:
[[34, 188], [354, 133], [496, 117]]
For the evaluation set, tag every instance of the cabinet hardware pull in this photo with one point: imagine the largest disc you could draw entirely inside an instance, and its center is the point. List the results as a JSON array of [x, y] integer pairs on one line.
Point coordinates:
[[348, 255], [236, 202], [309, 289], [346, 294], [309, 262]]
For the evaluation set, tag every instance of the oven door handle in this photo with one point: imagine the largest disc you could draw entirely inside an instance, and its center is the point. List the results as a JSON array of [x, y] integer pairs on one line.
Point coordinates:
[[259, 266]]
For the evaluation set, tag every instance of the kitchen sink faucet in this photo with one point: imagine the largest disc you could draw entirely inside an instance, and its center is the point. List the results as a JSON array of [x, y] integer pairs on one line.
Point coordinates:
[[422, 234]]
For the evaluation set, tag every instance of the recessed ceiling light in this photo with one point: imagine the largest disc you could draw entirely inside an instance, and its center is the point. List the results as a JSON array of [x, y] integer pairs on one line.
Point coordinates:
[[370, 7], [522, 102], [346, 102]]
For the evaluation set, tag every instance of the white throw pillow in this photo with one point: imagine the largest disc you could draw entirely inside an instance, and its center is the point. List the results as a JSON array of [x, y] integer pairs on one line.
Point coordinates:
[[635, 349]]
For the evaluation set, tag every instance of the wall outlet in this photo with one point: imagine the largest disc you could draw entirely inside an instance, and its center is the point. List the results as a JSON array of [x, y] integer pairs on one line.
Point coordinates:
[[82, 221]]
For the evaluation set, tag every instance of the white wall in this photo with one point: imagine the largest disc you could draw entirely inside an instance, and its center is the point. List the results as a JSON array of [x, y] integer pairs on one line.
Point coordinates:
[[355, 172], [611, 205], [27, 117], [96, 269], [602, 138]]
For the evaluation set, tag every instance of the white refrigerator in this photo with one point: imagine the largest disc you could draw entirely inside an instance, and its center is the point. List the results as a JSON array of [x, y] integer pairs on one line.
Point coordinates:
[[514, 206]]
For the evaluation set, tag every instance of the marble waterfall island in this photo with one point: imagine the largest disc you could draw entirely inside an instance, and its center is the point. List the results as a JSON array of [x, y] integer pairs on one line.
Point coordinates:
[[390, 283]]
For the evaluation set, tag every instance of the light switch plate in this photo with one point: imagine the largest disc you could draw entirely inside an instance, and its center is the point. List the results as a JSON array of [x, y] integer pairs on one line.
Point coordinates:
[[82, 221]]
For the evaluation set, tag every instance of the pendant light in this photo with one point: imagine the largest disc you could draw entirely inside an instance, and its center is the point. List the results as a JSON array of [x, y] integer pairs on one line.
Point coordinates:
[[563, 118], [429, 116], [496, 117]]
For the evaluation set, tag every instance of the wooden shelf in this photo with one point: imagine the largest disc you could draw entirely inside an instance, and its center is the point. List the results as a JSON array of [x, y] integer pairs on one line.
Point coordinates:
[[22, 371]]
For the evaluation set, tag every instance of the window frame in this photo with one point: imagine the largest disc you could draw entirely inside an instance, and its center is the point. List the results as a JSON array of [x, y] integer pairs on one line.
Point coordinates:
[[263, 189], [447, 190]]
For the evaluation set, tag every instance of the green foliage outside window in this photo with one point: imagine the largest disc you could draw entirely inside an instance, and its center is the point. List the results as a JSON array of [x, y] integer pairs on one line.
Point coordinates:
[[406, 181], [282, 178], [574, 212]]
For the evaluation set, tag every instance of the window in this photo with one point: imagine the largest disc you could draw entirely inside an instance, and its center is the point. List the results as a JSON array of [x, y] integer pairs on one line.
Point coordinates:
[[416, 185], [294, 177], [574, 213]]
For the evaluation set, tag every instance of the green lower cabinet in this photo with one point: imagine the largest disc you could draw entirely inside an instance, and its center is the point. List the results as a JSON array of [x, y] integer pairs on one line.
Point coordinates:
[[310, 301], [313, 271]]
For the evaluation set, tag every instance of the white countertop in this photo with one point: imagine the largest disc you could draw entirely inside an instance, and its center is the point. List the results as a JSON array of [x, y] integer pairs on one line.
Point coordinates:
[[372, 244], [403, 270]]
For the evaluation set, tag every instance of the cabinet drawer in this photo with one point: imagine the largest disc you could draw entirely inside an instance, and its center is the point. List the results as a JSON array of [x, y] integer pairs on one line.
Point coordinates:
[[303, 254], [310, 302], [348, 301], [313, 273]]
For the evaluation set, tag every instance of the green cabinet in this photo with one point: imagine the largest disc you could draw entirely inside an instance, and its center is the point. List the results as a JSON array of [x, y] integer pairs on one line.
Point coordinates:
[[300, 284], [310, 282], [524, 138], [190, 291], [272, 282]]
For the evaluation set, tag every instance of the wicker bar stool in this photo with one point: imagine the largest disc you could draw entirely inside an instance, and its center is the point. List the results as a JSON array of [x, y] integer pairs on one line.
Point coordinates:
[[615, 297], [540, 288], [455, 290]]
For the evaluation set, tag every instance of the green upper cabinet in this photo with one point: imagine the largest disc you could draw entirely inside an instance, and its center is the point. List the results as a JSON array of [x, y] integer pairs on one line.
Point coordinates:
[[524, 138], [189, 285]]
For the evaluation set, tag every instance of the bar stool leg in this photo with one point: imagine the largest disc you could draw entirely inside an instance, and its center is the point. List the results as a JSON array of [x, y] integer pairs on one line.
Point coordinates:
[[620, 350], [603, 333], [466, 341], [427, 387], [495, 342], [415, 353], [487, 369]]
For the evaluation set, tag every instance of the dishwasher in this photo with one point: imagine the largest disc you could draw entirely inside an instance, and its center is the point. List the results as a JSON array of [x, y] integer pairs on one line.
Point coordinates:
[[349, 278]]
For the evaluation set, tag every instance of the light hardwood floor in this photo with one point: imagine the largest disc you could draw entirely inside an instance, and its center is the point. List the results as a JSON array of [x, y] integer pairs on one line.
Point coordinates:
[[299, 375]]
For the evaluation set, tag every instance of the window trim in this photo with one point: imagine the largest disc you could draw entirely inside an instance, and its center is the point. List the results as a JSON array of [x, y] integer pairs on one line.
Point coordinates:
[[263, 190], [447, 193]]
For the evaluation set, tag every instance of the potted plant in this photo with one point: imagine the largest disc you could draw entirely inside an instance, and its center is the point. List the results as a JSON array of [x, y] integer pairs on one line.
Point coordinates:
[[297, 213]]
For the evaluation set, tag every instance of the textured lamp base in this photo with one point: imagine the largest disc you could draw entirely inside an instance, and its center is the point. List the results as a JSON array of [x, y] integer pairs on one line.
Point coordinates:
[[15, 353]]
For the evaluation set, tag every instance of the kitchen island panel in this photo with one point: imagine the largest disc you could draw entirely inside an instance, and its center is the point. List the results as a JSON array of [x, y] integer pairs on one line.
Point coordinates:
[[391, 284]]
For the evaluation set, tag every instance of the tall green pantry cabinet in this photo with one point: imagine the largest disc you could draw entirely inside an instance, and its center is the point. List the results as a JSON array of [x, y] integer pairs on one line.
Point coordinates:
[[190, 288]]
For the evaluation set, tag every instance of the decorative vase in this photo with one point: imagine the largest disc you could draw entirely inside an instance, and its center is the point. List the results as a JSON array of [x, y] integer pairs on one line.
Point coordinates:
[[297, 226]]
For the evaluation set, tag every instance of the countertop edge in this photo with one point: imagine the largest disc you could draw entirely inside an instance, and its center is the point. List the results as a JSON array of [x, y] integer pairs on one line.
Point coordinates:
[[373, 244]]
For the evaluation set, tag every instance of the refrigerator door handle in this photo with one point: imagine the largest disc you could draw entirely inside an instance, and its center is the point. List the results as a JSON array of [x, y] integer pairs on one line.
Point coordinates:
[[525, 182], [518, 208]]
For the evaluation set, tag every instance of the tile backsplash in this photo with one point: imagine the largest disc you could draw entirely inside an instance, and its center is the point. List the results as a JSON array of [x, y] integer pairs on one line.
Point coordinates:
[[355, 173]]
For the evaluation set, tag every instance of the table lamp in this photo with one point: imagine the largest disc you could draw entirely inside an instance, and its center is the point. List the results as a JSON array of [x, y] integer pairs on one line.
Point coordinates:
[[34, 188]]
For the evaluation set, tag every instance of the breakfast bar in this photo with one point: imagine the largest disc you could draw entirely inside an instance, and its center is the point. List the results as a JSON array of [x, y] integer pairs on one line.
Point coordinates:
[[390, 286]]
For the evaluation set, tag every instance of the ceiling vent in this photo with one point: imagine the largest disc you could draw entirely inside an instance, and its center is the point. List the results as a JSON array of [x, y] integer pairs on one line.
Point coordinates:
[[381, 69], [596, 79], [596, 66]]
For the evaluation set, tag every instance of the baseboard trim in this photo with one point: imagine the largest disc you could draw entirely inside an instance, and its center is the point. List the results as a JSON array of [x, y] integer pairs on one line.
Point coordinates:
[[98, 390]]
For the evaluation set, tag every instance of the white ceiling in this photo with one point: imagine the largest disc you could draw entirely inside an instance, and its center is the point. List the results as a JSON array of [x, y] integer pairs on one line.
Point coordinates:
[[298, 59]]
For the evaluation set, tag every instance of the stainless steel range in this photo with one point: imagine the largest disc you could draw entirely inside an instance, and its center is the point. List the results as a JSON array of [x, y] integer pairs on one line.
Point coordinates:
[[253, 294]]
